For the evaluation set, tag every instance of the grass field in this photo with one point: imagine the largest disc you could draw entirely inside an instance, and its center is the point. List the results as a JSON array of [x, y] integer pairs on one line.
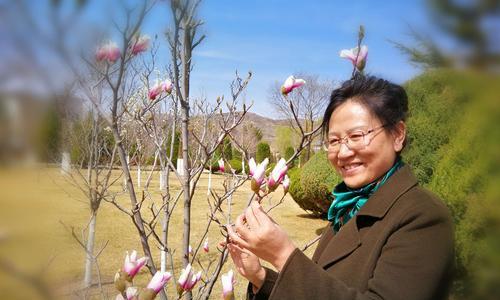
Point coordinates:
[[34, 243]]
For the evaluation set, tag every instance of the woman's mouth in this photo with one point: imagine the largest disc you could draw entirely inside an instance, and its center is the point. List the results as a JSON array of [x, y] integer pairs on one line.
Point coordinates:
[[351, 168]]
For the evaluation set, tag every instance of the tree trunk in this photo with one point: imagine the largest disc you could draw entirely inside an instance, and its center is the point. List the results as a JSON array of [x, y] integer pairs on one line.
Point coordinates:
[[133, 200], [89, 248], [186, 68], [185, 186], [209, 180], [139, 174], [137, 213], [167, 187]]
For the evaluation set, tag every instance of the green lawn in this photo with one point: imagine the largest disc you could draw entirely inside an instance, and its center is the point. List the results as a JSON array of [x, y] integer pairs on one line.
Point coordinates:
[[33, 202]]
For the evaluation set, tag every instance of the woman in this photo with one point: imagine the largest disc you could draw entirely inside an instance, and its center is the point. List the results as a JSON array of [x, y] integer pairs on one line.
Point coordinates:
[[388, 238]]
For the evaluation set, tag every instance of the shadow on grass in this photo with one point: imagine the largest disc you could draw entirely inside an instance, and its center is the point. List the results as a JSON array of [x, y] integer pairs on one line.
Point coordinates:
[[319, 230], [308, 216]]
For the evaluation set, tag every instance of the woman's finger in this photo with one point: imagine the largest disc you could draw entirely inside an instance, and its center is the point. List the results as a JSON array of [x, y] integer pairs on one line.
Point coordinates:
[[241, 227], [235, 239], [234, 255], [238, 248], [251, 219]]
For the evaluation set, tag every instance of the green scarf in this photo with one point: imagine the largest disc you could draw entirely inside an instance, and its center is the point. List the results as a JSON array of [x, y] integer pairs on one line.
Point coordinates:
[[347, 202]]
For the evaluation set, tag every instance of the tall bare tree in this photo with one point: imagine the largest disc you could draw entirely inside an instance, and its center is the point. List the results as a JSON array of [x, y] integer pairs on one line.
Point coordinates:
[[309, 102]]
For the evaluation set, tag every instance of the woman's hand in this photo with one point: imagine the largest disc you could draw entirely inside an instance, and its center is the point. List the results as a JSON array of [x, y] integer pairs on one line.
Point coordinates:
[[248, 265], [262, 236]]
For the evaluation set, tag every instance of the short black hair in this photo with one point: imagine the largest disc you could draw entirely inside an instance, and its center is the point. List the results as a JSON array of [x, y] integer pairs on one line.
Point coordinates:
[[385, 100]]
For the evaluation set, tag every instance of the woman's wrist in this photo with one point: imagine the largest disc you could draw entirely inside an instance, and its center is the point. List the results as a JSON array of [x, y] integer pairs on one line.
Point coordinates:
[[283, 256], [258, 279]]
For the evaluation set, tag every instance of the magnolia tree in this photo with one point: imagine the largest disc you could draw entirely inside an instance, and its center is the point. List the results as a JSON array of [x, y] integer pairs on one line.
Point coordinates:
[[203, 127], [203, 130], [145, 110]]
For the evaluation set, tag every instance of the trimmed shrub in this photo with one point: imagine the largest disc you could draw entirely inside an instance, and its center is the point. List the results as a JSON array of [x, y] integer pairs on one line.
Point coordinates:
[[311, 186], [296, 191]]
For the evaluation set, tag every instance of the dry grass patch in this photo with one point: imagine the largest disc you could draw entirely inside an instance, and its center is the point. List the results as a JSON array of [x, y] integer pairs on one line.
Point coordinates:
[[34, 202]]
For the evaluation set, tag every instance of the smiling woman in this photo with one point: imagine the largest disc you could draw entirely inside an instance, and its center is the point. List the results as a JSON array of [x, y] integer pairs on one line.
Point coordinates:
[[388, 238]]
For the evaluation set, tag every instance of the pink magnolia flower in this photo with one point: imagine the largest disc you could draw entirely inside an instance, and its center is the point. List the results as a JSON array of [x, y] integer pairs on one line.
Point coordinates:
[[194, 280], [221, 165], [205, 245], [113, 53], [132, 265], [258, 173], [167, 86], [357, 57], [158, 281], [252, 166], [155, 91], [187, 280], [109, 52], [101, 54], [286, 184], [131, 294], [140, 45], [277, 175], [290, 84], [228, 285]]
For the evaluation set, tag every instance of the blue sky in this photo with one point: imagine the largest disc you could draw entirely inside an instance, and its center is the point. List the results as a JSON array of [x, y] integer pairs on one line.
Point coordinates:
[[278, 38], [275, 39]]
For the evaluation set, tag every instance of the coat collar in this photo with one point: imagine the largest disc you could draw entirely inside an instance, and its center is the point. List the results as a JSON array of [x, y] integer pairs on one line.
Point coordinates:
[[335, 247]]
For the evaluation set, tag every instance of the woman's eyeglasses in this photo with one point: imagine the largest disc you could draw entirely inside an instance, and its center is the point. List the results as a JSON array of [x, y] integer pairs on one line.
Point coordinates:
[[355, 140]]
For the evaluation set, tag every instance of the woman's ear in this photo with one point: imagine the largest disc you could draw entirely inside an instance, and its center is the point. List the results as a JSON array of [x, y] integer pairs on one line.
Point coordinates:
[[399, 134]]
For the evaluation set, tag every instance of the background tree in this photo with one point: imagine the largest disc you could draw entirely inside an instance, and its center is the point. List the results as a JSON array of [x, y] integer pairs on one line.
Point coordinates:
[[245, 139], [288, 152], [442, 150], [309, 103], [285, 137], [263, 152], [50, 135], [466, 22], [227, 149]]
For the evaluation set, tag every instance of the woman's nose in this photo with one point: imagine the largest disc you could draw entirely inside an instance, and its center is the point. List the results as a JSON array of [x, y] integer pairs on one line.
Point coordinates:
[[344, 151]]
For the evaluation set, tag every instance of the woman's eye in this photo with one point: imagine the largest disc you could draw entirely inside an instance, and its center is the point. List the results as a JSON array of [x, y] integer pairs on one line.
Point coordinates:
[[334, 141], [356, 136]]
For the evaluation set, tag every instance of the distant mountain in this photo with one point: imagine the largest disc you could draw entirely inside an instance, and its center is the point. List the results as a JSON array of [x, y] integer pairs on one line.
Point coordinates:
[[267, 125]]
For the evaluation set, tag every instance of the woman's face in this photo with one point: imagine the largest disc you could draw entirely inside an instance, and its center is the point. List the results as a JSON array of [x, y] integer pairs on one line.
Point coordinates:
[[360, 167]]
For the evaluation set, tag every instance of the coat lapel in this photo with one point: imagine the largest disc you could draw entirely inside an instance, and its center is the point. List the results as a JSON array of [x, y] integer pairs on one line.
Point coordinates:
[[334, 247], [340, 244], [382, 200]]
